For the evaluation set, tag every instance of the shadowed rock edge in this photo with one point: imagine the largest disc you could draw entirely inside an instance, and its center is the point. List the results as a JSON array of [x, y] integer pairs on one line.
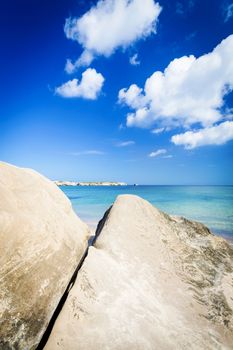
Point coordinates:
[[41, 243], [62, 301]]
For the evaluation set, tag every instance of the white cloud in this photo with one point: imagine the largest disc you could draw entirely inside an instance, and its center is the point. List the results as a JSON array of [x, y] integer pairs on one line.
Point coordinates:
[[84, 60], [134, 60], [157, 153], [125, 143], [69, 67], [89, 87], [132, 97], [109, 25], [189, 91], [228, 12], [158, 130], [214, 135]]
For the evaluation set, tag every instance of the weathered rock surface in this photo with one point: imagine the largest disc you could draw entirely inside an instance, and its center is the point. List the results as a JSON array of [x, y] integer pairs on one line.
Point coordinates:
[[151, 282], [41, 244]]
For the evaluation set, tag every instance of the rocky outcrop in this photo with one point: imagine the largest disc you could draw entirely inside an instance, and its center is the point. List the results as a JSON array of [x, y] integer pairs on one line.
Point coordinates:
[[151, 281], [41, 244], [99, 183]]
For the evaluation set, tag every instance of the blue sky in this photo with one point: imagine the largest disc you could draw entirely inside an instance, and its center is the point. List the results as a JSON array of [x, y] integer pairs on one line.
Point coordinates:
[[107, 125]]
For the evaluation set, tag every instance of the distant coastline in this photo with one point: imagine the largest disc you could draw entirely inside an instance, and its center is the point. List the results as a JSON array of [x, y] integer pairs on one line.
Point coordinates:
[[77, 183]]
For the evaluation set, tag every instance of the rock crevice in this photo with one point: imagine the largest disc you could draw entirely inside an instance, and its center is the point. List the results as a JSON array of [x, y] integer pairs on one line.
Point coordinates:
[[144, 281], [150, 281], [60, 305], [41, 242]]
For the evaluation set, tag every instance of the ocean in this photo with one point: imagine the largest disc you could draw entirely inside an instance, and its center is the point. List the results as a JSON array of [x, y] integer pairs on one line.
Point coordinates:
[[211, 205]]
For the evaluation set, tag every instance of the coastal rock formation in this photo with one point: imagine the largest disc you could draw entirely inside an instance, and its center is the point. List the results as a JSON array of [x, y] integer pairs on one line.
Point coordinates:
[[151, 281], [41, 244], [100, 183]]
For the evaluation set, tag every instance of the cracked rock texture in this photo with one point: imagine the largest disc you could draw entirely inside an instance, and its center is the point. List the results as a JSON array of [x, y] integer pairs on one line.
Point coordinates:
[[150, 282], [41, 244]]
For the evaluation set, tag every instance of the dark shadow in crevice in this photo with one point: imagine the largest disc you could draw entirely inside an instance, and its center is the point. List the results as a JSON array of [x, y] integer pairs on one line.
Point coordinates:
[[62, 301]]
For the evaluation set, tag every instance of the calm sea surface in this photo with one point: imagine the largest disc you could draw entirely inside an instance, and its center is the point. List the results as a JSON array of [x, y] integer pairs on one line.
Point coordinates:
[[212, 205]]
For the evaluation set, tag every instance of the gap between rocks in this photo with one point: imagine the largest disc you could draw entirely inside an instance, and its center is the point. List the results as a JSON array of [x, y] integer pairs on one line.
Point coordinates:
[[62, 301]]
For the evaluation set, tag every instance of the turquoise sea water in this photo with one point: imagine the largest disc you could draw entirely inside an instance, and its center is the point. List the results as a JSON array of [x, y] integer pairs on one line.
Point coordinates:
[[211, 205]]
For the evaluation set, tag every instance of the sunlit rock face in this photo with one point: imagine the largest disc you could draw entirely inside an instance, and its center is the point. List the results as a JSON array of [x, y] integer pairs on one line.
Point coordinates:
[[151, 281], [41, 244]]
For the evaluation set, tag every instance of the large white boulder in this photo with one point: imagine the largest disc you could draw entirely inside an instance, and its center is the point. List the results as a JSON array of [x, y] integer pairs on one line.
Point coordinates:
[[150, 282], [41, 244]]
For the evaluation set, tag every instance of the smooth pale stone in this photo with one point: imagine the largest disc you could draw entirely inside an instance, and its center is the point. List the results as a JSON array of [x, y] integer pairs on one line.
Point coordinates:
[[41, 244], [151, 282]]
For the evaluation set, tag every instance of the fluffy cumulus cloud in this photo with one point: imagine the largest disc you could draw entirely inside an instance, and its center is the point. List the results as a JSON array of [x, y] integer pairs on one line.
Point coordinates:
[[214, 135], [157, 153], [119, 22], [89, 87], [190, 91], [133, 97]]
